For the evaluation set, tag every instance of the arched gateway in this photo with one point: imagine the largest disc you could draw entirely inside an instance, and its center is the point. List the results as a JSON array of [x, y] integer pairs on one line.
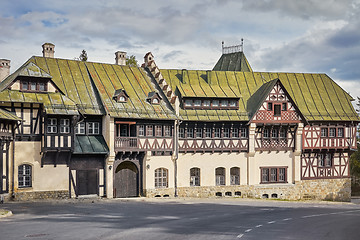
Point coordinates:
[[126, 179]]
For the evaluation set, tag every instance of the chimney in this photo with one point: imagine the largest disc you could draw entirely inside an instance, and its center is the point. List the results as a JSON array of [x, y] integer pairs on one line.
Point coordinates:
[[120, 58], [48, 50], [4, 68]]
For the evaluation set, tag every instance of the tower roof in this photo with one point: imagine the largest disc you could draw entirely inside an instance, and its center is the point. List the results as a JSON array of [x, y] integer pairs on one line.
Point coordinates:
[[235, 61]]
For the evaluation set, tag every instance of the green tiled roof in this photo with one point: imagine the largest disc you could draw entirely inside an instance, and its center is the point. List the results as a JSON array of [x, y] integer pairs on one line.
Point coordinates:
[[54, 103], [110, 77], [317, 96], [90, 145], [6, 115], [233, 62]]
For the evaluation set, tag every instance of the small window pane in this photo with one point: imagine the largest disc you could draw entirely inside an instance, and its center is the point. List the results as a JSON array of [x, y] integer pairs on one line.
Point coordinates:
[[243, 132], [199, 133], [284, 107], [24, 86], [332, 132], [33, 86], [149, 130], [181, 132], [232, 103], [158, 132], [235, 133], [215, 103], [24, 176], [41, 86], [167, 131], [224, 103], [340, 132], [324, 132], [161, 178], [217, 132], [197, 103], [64, 125], [206, 103], [52, 125], [188, 103], [226, 132], [190, 132], [266, 133], [80, 128], [277, 110], [269, 106], [141, 130], [208, 133]]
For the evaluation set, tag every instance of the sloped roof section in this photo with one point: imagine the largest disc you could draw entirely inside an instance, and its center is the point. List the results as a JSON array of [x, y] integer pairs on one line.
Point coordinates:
[[135, 81], [235, 61], [29, 69], [72, 78], [317, 96], [54, 103], [90, 145], [6, 115]]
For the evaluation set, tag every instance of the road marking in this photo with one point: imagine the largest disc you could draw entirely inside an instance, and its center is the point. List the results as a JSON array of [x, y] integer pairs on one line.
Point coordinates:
[[240, 235], [287, 219], [248, 230], [271, 222], [257, 226], [326, 214]]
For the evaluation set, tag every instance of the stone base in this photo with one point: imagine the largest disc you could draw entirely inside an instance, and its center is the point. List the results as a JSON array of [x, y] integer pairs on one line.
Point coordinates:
[[319, 189], [41, 195]]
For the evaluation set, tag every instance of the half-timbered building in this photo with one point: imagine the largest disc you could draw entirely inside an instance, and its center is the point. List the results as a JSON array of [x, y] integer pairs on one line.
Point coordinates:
[[73, 128]]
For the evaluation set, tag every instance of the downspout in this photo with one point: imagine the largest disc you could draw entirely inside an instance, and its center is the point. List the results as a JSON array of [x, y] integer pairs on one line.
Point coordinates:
[[13, 163], [175, 155]]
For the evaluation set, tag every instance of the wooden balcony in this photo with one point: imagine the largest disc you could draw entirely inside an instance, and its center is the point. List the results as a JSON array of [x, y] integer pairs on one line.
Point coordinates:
[[213, 145], [123, 144]]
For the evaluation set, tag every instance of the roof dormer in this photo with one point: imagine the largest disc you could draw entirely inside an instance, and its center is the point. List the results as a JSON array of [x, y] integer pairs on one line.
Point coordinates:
[[120, 96], [154, 98]]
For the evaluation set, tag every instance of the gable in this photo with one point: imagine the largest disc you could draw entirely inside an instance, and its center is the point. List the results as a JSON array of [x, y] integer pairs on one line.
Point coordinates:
[[277, 106]]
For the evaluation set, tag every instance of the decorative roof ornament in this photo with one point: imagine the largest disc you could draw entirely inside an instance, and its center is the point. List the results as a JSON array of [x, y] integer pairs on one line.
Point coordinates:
[[233, 49]]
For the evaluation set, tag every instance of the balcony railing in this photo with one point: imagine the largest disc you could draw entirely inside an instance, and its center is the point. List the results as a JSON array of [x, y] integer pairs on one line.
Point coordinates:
[[143, 144], [126, 143]]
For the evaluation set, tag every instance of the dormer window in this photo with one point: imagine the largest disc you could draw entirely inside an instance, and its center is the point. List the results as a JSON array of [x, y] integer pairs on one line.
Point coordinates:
[[33, 86], [215, 103], [218, 104], [153, 98], [224, 103], [120, 96], [197, 103], [232, 103], [206, 103], [188, 103]]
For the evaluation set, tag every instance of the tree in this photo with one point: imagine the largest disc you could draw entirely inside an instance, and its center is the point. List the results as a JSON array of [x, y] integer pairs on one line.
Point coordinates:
[[131, 61], [355, 161], [83, 56]]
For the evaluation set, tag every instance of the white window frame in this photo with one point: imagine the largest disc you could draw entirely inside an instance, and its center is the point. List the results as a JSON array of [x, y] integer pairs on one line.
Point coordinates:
[[80, 128], [141, 130], [64, 125], [194, 177], [51, 125], [25, 176], [167, 131], [161, 178], [93, 128]]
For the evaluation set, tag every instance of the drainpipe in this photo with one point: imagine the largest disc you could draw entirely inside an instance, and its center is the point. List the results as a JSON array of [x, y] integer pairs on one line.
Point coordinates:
[[175, 155], [13, 164]]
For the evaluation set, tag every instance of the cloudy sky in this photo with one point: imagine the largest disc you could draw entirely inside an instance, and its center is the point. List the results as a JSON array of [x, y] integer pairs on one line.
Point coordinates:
[[279, 35]]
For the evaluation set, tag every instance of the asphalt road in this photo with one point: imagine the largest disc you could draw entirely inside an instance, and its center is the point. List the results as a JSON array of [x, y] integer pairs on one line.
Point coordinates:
[[180, 219]]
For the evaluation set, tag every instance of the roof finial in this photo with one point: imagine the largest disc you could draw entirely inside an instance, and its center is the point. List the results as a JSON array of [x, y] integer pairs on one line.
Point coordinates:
[[222, 45], [242, 45]]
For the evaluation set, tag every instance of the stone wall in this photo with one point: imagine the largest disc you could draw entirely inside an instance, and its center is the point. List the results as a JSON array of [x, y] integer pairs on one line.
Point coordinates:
[[26, 196], [319, 189]]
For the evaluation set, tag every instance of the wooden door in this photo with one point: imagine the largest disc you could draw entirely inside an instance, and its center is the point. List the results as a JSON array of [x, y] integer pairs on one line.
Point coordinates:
[[87, 182], [126, 183]]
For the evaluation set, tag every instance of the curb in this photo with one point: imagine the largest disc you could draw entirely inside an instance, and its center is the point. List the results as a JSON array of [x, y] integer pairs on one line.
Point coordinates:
[[7, 214]]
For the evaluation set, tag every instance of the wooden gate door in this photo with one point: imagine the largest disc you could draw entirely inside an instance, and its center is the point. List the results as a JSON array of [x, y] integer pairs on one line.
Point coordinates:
[[126, 183], [87, 182]]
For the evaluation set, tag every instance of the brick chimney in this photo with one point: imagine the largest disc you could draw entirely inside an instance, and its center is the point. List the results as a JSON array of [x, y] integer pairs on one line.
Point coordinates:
[[4, 68], [48, 50], [120, 58]]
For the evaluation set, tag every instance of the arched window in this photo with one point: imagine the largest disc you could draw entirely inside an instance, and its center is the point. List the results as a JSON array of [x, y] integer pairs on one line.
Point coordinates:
[[195, 176], [161, 178], [24, 176], [220, 176], [235, 176]]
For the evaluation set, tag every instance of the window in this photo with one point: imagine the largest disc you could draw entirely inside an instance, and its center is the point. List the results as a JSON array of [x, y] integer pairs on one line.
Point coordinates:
[[141, 130], [208, 132], [224, 103], [80, 128], [220, 176], [277, 110], [284, 107], [42, 87], [215, 103], [197, 103], [93, 128], [161, 178], [190, 133], [24, 85], [235, 176], [325, 159], [64, 125], [149, 130], [188, 103], [199, 133], [340, 132], [273, 175], [122, 99], [181, 132], [24, 176], [33, 86], [167, 131], [226, 132], [243, 132], [158, 131], [235, 133], [332, 132], [232, 103], [324, 132], [270, 106], [283, 133], [52, 125], [274, 133], [217, 132], [206, 103], [155, 101], [195, 177], [266, 133]]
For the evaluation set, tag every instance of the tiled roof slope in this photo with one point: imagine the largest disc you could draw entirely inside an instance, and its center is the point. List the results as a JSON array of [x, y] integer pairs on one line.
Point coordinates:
[[233, 62], [6, 115], [92, 86], [317, 96]]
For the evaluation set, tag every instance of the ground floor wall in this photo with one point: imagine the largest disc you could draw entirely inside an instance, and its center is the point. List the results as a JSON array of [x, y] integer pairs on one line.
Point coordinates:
[[319, 189]]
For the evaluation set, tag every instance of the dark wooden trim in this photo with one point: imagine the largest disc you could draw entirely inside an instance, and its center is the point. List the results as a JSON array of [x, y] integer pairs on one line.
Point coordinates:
[[277, 174]]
